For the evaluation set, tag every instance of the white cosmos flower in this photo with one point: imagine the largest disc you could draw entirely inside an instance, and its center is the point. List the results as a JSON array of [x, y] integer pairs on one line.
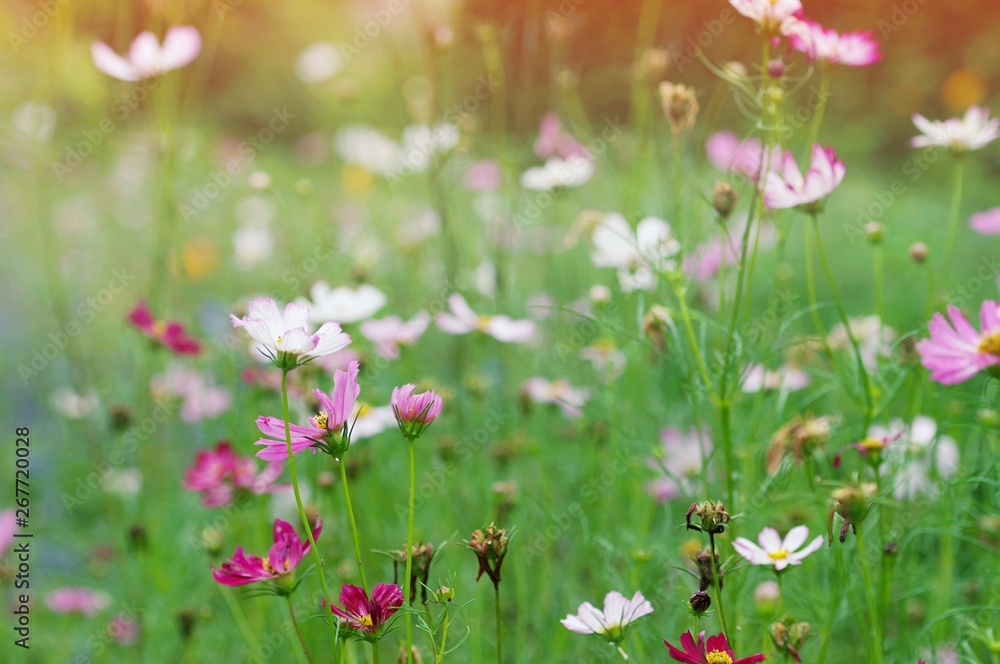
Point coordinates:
[[147, 58], [638, 255], [343, 304], [556, 172], [971, 132], [34, 121], [611, 623], [319, 62], [776, 551], [369, 148], [252, 243], [286, 332], [421, 142]]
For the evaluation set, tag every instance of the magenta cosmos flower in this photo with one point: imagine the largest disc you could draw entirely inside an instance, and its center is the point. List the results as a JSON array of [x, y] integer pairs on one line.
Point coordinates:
[[368, 615], [854, 49], [776, 551], [956, 352], [218, 473], [285, 555], [170, 334], [329, 429], [284, 336], [414, 412], [790, 188], [771, 16], [972, 131], [147, 57], [716, 651], [462, 320]]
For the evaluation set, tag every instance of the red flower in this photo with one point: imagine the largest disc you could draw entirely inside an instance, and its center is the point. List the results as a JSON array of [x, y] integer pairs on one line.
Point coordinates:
[[368, 615], [279, 566], [716, 651], [170, 334]]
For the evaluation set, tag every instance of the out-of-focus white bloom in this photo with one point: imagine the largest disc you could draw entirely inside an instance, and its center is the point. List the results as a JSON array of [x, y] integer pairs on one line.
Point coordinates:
[[556, 173], [259, 180], [252, 244], [874, 339], [485, 279], [918, 455], [420, 143], [342, 304], [147, 58], [319, 62], [369, 148], [972, 131], [607, 359], [639, 256], [371, 420], [75, 406], [34, 122], [558, 392], [416, 229], [255, 210], [125, 482], [786, 378]]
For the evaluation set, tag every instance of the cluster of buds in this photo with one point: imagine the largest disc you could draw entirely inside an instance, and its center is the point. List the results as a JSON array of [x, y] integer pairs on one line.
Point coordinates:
[[680, 105], [851, 502], [711, 514], [800, 437], [490, 546], [707, 564], [420, 569], [788, 637]]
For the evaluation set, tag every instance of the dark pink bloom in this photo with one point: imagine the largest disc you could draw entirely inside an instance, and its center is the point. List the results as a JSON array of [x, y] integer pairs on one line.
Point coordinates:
[[284, 556], [414, 412], [854, 49], [329, 427], [483, 176], [219, 472], [77, 600], [170, 334], [554, 141], [716, 650], [986, 223], [368, 615], [956, 352]]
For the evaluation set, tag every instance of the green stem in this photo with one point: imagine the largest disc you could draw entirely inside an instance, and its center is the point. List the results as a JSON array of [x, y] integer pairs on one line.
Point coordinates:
[[811, 288], [956, 204], [354, 525], [862, 371], [716, 586], [298, 503], [817, 118], [298, 632], [240, 618], [375, 655], [444, 639], [873, 620], [496, 603], [879, 286], [409, 552], [678, 186]]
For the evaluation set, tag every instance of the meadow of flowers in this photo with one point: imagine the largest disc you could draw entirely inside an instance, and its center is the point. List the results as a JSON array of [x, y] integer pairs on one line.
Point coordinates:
[[414, 331]]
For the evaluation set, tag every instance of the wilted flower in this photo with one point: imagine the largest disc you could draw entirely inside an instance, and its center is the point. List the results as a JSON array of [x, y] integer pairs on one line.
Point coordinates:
[[707, 566], [169, 334], [955, 352], [279, 566], [461, 319], [342, 304], [789, 635], [712, 517], [284, 335], [973, 131], [612, 623], [851, 502], [715, 651], [680, 105], [724, 199], [365, 615], [218, 473], [789, 188], [422, 556], [146, 57], [490, 546], [800, 437], [774, 550]]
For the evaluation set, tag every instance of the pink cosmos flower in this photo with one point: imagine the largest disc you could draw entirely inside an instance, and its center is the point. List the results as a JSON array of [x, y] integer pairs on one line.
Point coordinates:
[[146, 57], [776, 551], [284, 556], [77, 600], [611, 623], [790, 189], [218, 473], [391, 332], [786, 378], [854, 49], [554, 141], [716, 651], [986, 223], [483, 176], [200, 397], [124, 629], [955, 352], [461, 319], [368, 615], [727, 152], [328, 430], [557, 392], [705, 260], [771, 16], [8, 526], [677, 462], [170, 334], [285, 335], [971, 132], [414, 412]]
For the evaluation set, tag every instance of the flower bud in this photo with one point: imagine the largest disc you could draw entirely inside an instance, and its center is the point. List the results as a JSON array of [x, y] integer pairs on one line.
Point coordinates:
[[776, 68], [656, 325], [918, 252], [724, 199], [712, 517], [700, 602], [680, 105], [875, 233]]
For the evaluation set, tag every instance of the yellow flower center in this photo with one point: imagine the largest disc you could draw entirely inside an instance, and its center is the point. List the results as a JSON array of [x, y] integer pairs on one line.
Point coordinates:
[[483, 321], [321, 420], [361, 409], [278, 342], [990, 344], [718, 657], [365, 621], [780, 554], [873, 444], [159, 328]]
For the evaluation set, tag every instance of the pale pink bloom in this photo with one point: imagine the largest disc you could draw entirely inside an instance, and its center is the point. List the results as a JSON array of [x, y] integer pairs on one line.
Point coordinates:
[[971, 132], [786, 378], [554, 141], [727, 152], [540, 306], [771, 16], [556, 392], [461, 319], [342, 304], [955, 352], [124, 629], [791, 189], [873, 337], [286, 333], [611, 623], [854, 49], [986, 223], [557, 173], [147, 58], [705, 260], [919, 456], [77, 600], [391, 332], [483, 176], [200, 397], [776, 551], [339, 361], [608, 361], [677, 463], [8, 526], [639, 256]]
